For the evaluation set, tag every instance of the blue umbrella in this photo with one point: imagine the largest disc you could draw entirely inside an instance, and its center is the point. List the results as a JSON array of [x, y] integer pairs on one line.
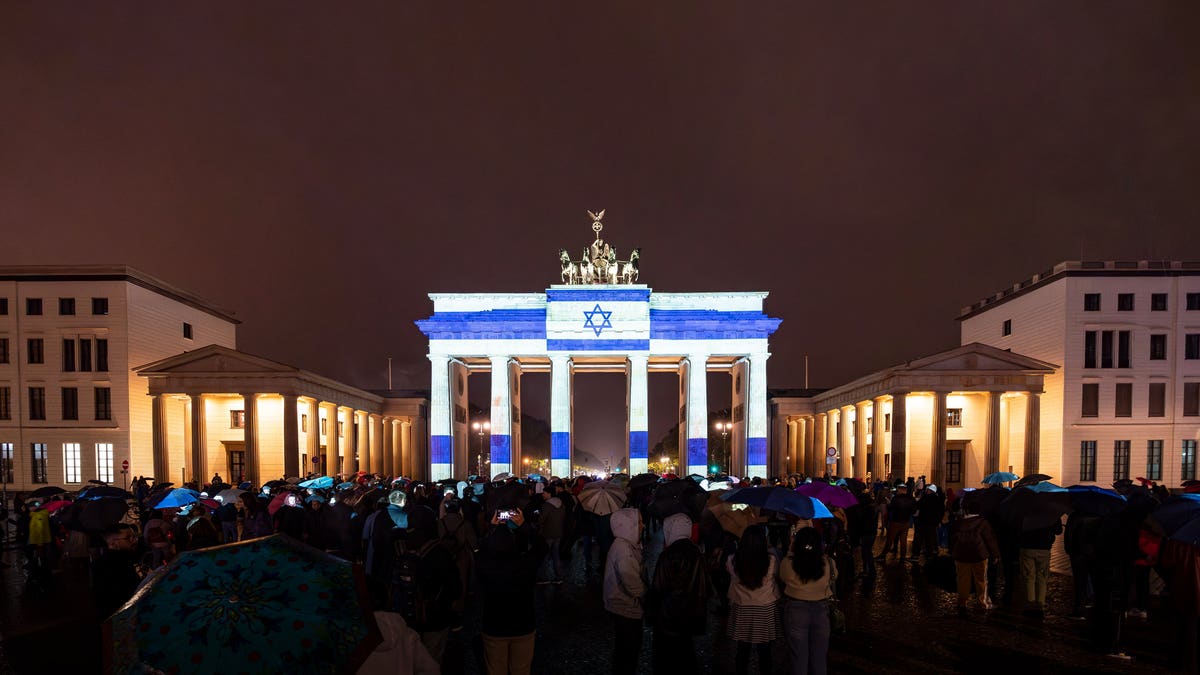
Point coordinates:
[[778, 499], [1178, 512], [999, 477], [345, 486], [178, 497], [318, 483], [1045, 486], [1096, 500]]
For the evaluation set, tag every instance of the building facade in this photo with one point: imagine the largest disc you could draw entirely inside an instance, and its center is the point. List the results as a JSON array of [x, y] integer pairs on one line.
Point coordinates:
[[1125, 400], [71, 408]]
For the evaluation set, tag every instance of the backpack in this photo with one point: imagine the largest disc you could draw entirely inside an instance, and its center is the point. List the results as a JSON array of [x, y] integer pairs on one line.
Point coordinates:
[[410, 595]]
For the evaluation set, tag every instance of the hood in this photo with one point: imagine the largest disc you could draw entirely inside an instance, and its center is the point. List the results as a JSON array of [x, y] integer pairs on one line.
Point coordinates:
[[676, 527], [625, 525], [555, 502]]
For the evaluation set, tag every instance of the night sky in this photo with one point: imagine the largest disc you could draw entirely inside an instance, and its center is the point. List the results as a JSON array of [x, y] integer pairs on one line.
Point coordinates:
[[875, 167]]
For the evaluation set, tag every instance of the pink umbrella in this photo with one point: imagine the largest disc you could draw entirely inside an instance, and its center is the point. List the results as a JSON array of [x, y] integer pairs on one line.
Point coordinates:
[[56, 505], [829, 495]]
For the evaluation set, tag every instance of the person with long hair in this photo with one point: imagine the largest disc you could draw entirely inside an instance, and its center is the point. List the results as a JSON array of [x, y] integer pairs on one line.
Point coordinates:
[[753, 600], [808, 576]]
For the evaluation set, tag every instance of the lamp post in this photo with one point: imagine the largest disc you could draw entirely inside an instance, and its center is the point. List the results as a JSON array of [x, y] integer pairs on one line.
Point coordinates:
[[480, 430], [724, 428]]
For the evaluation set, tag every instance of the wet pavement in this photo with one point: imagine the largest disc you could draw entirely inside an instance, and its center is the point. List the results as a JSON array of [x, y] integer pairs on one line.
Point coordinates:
[[900, 624]]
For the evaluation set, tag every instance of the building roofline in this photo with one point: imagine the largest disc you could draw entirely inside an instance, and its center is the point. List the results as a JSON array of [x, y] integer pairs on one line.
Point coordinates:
[[113, 273], [1084, 268]]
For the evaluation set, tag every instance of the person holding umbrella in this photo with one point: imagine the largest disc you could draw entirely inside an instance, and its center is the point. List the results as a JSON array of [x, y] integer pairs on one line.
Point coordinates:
[[972, 543]]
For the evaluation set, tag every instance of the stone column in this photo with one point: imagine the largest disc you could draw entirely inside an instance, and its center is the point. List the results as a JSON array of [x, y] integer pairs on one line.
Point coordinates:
[[756, 417], [860, 440], [250, 408], [991, 454], [899, 436], [377, 454], [291, 436], [821, 436], [560, 415], [348, 463], [811, 447], [697, 414], [199, 463], [501, 422], [637, 421], [331, 462], [313, 437], [1033, 431], [937, 453], [364, 440], [846, 442], [441, 417], [406, 448], [878, 434], [794, 446], [388, 451], [158, 422]]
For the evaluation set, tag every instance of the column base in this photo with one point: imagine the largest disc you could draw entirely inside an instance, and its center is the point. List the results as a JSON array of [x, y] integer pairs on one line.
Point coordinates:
[[697, 454], [560, 468]]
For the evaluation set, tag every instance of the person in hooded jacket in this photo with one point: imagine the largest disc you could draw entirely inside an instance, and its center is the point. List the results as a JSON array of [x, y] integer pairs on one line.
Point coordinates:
[[972, 543], [624, 588], [506, 566], [679, 594], [436, 578], [552, 524]]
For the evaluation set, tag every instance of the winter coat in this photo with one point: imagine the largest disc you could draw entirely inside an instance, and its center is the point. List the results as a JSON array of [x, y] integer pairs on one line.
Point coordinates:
[[901, 508], [553, 519], [1041, 538], [972, 540], [624, 584], [930, 509], [679, 592], [507, 567]]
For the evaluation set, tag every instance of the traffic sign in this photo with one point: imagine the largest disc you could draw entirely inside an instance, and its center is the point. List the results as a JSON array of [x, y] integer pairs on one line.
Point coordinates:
[[124, 465], [831, 452]]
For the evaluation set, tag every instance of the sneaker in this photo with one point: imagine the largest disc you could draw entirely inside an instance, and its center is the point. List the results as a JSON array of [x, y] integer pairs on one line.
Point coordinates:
[[1135, 614], [1121, 656]]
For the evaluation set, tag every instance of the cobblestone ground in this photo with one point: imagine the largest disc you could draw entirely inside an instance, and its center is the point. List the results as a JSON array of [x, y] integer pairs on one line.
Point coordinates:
[[898, 625]]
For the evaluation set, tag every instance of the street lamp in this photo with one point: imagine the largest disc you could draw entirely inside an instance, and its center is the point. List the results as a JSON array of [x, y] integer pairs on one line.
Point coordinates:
[[480, 430], [724, 428], [526, 462]]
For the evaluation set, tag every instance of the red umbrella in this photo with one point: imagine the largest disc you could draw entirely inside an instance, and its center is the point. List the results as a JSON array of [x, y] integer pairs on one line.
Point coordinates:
[[280, 501], [56, 505]]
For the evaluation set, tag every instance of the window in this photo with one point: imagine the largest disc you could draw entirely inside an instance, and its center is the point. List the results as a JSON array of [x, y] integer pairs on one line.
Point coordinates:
[[1187, 467], [953, 465], [70, 403], [324, 426], [66, 306], [6, 462], [1124, 302], [1191, 399], [104, 462], [68, 356], [1120, 460], [1087, 460], [1122, 349], [1154, 460], [1158, 302], [37, 403], [954, 417], [887, 421], [1124, 399], [237, 419], [85, 355], [36, 350], [1006, 329], [1106, 349], [103, 403], [3, 350], [1157, 402], [187, 330], [99, 305], [1193, 303], [304, 422], [38, 473], [1089, 349], [1091, 302], [237, 465], [1158, 347], [5, 403], [1091, 400], [3, 306], [1191, 346], [71, 463], [101, 355], [33, 306]]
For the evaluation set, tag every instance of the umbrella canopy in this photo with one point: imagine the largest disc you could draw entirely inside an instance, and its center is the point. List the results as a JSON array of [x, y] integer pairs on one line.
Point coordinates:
[[230, 495], [47, 491], [778, 499], [602, 497], [678, 496], [503, 475], [829, 495], [1177, 513], [268, 605], [1032, 479], [988, 499], [104, 491], [855, 486], [1095, 500], [734, 520], [621, 479], [280, 500], [1029, 509], [642, 480], [177, 497], [999, 477], [100, 513], [1045, 486], [56, 505], [318, 483]]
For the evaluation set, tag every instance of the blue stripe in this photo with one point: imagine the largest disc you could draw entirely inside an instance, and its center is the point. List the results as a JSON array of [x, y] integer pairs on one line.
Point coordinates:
[[694, 324], [596, 294], [504, 324], [560, 445], [756, 451], [501, 449], [639, 444], [439, 449], [597, 345], [697, 452]]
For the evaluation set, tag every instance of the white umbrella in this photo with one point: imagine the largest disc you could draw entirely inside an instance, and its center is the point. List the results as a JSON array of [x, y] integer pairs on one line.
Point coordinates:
[[229, 496], [602, 497]]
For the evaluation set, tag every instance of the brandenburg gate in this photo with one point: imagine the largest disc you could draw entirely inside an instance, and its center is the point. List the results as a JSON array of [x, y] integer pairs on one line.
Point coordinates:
[[598, 319]]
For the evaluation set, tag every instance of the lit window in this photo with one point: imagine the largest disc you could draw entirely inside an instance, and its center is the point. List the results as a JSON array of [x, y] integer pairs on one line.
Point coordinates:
[[237, 419], [6, 462], [71, 463], [104, 462], [1154, 451], [954, 417], [1187, 469], [38, 468], [1087, 460]]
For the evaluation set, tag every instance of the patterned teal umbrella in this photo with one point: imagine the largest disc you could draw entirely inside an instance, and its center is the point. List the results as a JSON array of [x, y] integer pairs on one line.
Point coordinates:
[[270, 605]]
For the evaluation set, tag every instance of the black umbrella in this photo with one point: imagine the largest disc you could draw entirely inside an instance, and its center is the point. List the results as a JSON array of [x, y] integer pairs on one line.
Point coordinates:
[[681, 495], [642, 479], [104, 491], [1027, 509], [506, 496], [100, 513], [47, 491], [988, 498], [1032, 479]]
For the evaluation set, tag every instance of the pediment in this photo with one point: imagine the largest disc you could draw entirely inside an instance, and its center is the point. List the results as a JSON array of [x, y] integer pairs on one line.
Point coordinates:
[[978, 357], [214, 359]]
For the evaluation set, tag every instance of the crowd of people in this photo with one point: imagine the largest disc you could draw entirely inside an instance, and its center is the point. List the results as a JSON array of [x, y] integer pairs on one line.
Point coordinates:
[[427, 548]]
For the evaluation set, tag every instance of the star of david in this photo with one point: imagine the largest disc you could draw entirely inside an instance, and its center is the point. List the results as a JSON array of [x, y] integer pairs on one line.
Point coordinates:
[[591, 319]]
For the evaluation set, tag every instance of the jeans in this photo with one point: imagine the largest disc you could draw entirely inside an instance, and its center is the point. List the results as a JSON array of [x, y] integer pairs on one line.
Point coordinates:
[[897, 539], [806, 626], [1035, 567], [627, 643], [1082, 582]]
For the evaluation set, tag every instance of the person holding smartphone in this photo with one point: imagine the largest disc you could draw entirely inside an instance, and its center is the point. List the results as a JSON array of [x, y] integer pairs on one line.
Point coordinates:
[[507, 565]]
